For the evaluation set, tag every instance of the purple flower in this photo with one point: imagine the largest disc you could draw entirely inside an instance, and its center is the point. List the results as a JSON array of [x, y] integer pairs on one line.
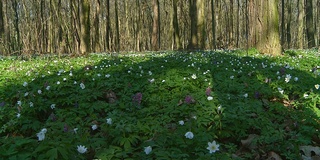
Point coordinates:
[[189, 99], [2, 104], [208, 91], [282, 71], [257, 95], [137, 98], [65, 128], [53, 117]]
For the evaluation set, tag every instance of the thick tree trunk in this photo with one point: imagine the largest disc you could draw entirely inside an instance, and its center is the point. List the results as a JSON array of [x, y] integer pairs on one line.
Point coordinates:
[[309, 24], [155, 39], [196, 11], [269, 40]]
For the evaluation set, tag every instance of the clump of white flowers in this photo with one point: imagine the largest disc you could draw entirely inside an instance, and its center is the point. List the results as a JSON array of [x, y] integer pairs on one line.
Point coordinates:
[[42, 134]]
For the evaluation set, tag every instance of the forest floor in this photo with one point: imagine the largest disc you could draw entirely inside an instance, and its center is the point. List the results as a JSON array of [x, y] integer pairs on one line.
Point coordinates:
[[161, 105]]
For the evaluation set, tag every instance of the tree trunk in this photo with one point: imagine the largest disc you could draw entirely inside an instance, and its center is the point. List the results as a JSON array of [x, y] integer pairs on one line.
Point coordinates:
[[85, 27], [137, 26], [17, 45], [128, 29], [1, 20], [197, 17], [117, 37], [238, 24], [108, 29], [2, 46], [318, 24], [300, 24], [201, 32], [309, 24], [176, 32], [213, 24], [193, 42], [231, 25], [155, 40], [269, 40], [282, 23], [96, 42], [289, 24]]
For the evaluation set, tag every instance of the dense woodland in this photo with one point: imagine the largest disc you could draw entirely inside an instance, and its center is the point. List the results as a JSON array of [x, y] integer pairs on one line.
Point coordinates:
[[92, 26]]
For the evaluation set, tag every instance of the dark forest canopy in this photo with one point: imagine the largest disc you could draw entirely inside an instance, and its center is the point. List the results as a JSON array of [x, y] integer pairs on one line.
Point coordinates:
[[84, 26]]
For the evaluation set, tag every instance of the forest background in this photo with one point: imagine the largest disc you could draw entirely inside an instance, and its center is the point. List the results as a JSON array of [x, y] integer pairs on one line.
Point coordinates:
[[93, 26]]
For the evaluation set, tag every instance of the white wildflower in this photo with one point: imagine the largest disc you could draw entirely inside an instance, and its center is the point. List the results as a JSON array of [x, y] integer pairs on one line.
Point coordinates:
[[82, 86], [81, 149], [148, 149], [189, 135], [213, 147]]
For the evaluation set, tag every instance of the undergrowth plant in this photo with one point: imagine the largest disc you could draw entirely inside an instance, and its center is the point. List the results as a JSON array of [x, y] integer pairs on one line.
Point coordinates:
[[162, 105]]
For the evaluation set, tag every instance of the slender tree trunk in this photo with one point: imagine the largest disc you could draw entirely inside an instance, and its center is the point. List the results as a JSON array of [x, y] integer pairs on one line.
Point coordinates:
[[7, 29], [231, 25], [16, 26], [247, 27], [213, 24], [2, 46], [117, 37], [289, 24], [85, 27], [238, 23], [155, 40], [128, 29], [176, 32], [193, 42], [318, 23], [1, 19], [300, 24], [108, 29], [309, 24], [138, 27], [96, 43], [282, 23]]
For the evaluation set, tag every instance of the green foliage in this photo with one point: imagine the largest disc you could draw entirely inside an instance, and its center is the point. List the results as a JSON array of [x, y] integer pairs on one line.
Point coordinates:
[[222, 96]]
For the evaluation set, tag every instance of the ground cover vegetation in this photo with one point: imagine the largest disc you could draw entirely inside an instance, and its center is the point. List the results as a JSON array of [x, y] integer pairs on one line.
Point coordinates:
[[161, 105]]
